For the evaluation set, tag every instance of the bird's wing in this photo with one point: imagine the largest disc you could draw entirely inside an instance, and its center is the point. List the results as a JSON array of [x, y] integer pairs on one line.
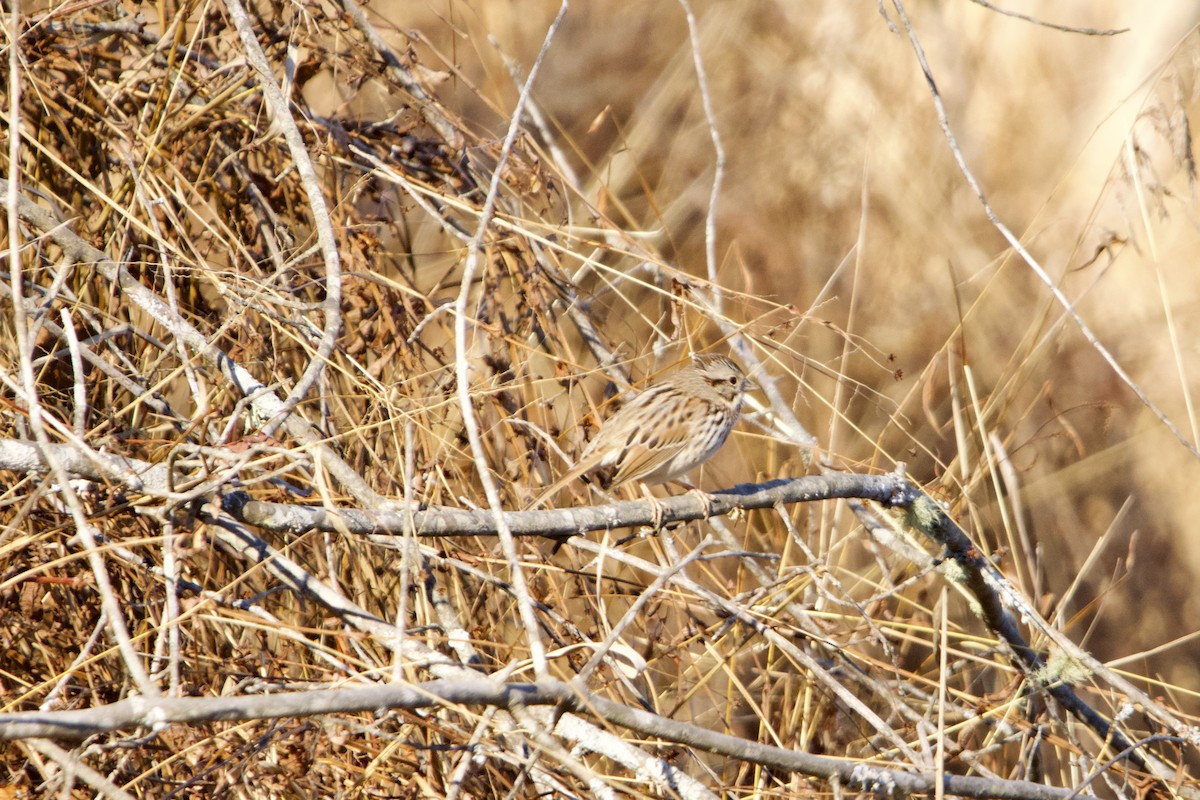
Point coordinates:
[[648, 447]]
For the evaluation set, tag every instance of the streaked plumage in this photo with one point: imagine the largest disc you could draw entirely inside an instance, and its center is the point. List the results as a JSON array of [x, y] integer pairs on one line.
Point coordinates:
[[667, 430]]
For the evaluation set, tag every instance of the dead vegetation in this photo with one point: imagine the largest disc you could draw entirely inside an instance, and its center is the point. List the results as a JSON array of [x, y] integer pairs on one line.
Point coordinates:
[[464, 295]]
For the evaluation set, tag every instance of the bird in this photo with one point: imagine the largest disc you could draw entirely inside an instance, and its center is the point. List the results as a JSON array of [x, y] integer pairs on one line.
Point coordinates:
[[667, 430]]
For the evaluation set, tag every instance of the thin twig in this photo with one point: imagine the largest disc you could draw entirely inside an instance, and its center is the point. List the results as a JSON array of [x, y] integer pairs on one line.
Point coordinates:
[[714, 195], [462, 362], [331, 306], [1022, 251], [1054, 25], [79, 384], [75, 767]]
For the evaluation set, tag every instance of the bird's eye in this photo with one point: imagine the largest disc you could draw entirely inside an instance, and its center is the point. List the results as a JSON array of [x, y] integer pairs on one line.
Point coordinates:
[[733, 380]]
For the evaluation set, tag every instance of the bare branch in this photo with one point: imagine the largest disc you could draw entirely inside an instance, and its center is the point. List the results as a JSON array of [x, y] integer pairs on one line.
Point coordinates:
[[560, 522], [857, 775]]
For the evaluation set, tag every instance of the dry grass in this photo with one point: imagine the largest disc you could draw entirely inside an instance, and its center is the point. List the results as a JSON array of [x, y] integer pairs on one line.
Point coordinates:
[[851, 254]]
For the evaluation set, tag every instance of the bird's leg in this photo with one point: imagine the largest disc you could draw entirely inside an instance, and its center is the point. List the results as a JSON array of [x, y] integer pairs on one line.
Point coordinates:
[[656, 505], [705, 498], [656, 522]]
